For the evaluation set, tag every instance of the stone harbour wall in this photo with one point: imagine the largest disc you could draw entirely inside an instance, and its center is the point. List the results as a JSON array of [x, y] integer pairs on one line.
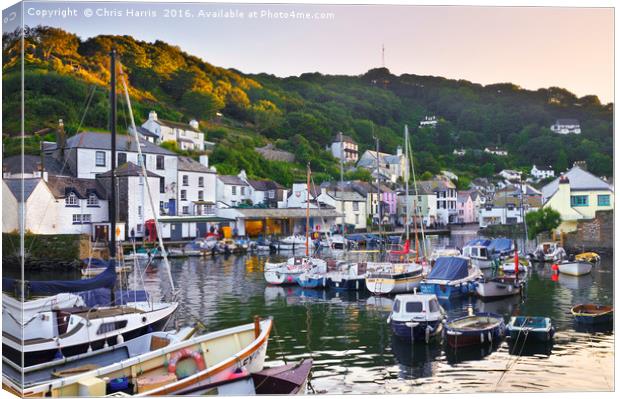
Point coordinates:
[[594, 234]]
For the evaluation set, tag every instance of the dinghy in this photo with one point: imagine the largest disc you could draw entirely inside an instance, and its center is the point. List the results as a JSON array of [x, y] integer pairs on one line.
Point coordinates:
[[476, 329], [530, 328], [498, 287], [416, 317], [591, 257], [209, 358], [575, 267], [289, 272], [593, 314]]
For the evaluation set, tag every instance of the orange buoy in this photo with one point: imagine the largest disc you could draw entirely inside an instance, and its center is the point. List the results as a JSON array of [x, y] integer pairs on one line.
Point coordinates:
[[184, 354]]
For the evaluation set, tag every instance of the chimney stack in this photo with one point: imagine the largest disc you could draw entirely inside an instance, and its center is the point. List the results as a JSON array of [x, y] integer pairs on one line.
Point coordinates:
[[194, 123], [204, 160], [152, 116], [61, 139]]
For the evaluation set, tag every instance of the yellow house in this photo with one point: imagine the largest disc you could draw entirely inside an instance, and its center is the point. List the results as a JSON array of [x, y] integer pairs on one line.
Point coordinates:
[[577, 195]]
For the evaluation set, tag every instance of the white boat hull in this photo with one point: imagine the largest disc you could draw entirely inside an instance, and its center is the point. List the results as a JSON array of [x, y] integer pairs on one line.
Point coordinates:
[[576, 268], [495, 289]]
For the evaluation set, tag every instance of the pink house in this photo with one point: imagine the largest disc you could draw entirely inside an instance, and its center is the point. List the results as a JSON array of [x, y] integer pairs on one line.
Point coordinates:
[[466, 209]]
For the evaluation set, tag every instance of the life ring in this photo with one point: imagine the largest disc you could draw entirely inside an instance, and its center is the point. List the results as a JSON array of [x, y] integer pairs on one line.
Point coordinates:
[[183, 354]]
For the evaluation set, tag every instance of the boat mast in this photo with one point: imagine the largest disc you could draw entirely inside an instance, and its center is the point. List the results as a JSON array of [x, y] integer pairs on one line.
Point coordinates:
[[307, 209], [344, 244], [408, 212], [415, 188], [112, 202], [378, 184]]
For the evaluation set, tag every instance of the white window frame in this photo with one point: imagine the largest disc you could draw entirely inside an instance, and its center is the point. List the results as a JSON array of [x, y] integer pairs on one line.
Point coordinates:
[[183, 195], [71, 200], [92, 200], [98, 161]]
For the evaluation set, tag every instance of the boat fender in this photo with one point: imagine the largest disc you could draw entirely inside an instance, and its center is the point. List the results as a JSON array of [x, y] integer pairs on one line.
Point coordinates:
[[489, 336], [119, 339], [427, 334], [183, 354], [389, 319]]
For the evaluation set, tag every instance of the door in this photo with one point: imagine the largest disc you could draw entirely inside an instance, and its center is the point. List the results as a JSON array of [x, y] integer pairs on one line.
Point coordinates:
[[176, 231], [172, 207], [101, 232], [202, 229]]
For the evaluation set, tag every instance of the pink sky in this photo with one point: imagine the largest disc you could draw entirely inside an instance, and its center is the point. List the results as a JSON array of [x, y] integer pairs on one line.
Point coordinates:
[[532, 47]]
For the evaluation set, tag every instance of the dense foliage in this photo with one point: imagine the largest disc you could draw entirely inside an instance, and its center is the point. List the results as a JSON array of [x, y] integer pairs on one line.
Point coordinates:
[[301, 114], [544, 220]]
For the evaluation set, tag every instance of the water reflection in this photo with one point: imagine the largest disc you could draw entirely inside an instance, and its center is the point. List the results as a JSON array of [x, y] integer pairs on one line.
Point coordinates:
[[415, 360]]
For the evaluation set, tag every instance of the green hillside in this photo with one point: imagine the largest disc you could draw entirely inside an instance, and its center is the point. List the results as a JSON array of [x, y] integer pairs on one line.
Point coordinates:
[[66, 78]]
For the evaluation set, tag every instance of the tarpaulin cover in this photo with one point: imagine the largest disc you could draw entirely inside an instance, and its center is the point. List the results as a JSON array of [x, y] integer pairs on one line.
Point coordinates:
[[478, 242], [106, 279], [500, 245], [448, 268], [121, 298], [97, 297]]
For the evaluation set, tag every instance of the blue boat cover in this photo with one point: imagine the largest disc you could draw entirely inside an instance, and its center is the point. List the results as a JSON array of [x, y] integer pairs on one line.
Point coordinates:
[[448, 268], [97, 297], [106, 279], [500, 245], [121, 298], [478, 242]]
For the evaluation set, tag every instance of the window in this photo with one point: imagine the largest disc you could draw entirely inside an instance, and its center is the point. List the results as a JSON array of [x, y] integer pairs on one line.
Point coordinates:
[[396, 307], [160, 162], [92, 200], [139, 228], [183, 195], [433, 306], [234, 190], [161, 207], [271, 194], [200, 195], [121, 158], [140, 211], [186, 210], [77, 218], [143, 160], [242, 190], [185, 180], [86, 218], [100, 158], [578, 200], [208, 209], [356, 206], [162, 185], [112, 326], [357, 219], [413, 307], [71, 200], [201, 181], [604, 200]]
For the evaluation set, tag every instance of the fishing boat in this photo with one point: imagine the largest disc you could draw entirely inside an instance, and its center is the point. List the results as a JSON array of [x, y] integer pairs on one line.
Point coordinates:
[[476, 329], [498, 287], [591, 257], [350, 276], [291, 243], [416, 317], [288, 379], [30, 376], [208, 358], [575, 267], [548, 252], [478, 252], [451, 277], [530, 328], [593, 314], [189, 249], [394, 278]]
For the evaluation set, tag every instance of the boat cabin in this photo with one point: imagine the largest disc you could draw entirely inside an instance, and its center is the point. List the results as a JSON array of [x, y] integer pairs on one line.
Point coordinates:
[[416, 307]]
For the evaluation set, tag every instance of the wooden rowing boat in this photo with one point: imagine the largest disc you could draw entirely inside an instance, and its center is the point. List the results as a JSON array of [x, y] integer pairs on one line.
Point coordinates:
[[593, 314], [209, 358]]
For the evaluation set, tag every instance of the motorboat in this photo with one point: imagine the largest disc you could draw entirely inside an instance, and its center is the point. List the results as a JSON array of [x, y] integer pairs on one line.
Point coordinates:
[[451, 277], [291, 243], [288, 272], [575, 267], [394, 278], [498, 287], [549, 251], [478, 252], [416, 317]]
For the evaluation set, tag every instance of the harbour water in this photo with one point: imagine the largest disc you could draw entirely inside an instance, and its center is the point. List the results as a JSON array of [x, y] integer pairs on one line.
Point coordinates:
[[352, 345]]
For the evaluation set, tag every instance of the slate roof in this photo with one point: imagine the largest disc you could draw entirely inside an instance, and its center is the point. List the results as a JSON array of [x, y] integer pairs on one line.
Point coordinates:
[[177, 125], [462, 196], [13, 164], [146, 132], [232, 180], [187, 164], [101, 141], [128, 169], [579, 180], [346, 195], [264, 185], [502, 201], [438, 184], [15, 185], [541, 168], [567, 121], [345, 139], [60, 186]]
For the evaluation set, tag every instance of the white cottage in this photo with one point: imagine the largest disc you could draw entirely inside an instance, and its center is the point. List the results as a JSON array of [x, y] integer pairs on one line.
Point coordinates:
[[187, 135]]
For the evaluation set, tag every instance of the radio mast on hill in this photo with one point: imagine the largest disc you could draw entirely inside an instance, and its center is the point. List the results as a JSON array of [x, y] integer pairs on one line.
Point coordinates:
[[382, 55]]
